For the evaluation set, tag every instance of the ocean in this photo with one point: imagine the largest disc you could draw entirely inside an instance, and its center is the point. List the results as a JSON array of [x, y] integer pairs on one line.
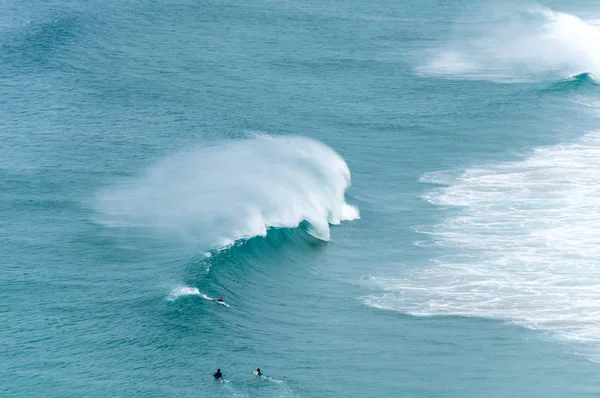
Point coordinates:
[[396, 199]]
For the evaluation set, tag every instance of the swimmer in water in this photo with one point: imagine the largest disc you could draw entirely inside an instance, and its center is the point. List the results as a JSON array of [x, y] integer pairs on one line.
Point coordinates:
[[218, 375], [257, 372]]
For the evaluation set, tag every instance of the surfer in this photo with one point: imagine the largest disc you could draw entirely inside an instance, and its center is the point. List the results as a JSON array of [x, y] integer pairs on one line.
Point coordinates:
[[218, 375], [218, 301], [257, 372]]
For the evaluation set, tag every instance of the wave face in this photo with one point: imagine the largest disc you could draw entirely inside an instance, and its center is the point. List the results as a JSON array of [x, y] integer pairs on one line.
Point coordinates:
[[217, 195], [523, 246], [519, 46]]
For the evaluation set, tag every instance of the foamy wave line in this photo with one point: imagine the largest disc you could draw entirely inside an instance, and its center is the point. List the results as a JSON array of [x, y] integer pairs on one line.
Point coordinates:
[[524, 247]]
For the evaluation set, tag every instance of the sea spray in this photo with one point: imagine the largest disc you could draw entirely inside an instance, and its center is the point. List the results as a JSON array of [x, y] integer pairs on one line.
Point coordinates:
[[180, 291], [518, 45], [216, 195]]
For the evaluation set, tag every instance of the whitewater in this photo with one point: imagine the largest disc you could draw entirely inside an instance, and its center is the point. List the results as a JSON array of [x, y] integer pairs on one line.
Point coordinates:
[[520, 244], [524, 244]]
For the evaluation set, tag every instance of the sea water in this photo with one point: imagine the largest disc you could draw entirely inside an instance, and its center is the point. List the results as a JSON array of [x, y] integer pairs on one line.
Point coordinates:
[[396, 199]]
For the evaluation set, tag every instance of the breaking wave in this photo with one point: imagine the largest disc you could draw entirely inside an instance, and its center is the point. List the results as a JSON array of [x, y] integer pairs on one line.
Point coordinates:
[[518, 46], [217, 195]]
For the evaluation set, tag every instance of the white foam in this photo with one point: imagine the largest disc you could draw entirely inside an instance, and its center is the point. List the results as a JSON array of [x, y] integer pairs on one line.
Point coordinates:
[[518, 45], [217, 195], [180, 291], [524, 247]]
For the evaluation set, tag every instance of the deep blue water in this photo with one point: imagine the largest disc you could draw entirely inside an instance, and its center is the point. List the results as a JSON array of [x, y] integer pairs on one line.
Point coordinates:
[[155, 152]]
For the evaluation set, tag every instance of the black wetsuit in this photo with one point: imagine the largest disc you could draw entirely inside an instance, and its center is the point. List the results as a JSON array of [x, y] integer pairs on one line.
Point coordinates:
[[218, 375]]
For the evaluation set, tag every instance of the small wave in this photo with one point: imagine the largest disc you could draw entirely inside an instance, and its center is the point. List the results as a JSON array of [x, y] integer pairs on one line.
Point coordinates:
[[581, 81], [583, 78], [523, 246], [218, 195], [519, 46], [40, 41]]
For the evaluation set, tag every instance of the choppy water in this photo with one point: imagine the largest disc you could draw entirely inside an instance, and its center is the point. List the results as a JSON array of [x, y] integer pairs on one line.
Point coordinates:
[[396, 199]]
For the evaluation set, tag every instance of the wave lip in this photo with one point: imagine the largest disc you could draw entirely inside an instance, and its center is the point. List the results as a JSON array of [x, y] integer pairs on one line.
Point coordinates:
[[523, 247], [583, 78], [217, 195], [519, 46]]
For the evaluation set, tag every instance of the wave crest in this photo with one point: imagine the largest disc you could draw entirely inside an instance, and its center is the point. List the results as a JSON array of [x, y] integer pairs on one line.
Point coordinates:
[[180, 291], [236, 190]]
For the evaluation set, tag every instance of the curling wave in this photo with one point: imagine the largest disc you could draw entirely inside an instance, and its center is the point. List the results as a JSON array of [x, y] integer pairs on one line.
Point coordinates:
[[581, 84], [217, 195]]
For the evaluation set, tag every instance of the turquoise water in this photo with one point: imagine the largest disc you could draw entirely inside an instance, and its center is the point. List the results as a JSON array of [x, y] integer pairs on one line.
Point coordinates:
[[396, 199]]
